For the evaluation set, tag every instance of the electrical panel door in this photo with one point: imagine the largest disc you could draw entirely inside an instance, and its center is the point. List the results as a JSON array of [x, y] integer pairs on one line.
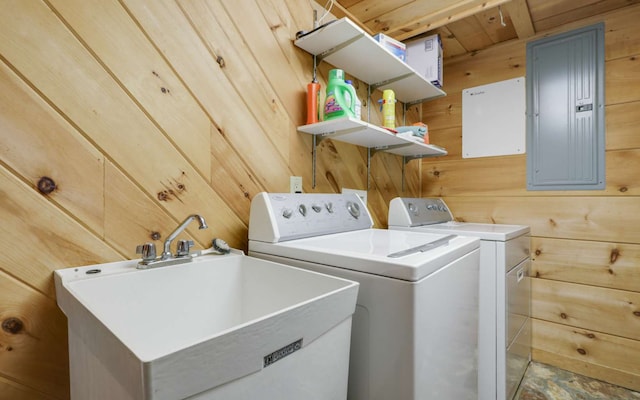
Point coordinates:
[[565, 111]]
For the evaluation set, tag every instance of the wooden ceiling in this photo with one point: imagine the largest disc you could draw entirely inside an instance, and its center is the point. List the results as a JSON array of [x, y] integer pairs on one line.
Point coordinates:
[[469, 25]]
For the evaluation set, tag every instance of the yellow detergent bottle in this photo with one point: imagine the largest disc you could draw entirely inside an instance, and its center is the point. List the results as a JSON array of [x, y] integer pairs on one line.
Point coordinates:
[[388, 108], [340, 99]]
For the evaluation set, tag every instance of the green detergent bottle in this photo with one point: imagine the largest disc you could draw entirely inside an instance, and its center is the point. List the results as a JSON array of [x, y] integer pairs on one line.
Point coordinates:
[[340, 100]]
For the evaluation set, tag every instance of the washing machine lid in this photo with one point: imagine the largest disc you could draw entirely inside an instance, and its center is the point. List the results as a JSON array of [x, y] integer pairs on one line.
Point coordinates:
[[495, 232], [405, 255]]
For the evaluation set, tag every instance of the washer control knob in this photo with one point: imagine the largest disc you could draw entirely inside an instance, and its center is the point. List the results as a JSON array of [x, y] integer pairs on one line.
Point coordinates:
[[329, 207], [302, 209], [316, 208], [287, 213], [412, 208], [353, 209]]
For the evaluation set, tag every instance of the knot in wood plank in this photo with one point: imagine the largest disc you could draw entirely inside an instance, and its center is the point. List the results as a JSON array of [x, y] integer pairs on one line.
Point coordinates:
[[12, 325], [46, 185], [615, 253]]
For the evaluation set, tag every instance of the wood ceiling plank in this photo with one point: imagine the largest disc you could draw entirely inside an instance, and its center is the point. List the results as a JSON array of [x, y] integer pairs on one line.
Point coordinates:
[[406, 25], [470, 34], [340, 12], [369, 10], [408, 19], [491, 21], [520, 17], [401, 17], [450, 44]]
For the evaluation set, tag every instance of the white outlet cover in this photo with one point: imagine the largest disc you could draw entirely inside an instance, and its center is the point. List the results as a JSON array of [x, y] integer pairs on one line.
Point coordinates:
[[295, 184]]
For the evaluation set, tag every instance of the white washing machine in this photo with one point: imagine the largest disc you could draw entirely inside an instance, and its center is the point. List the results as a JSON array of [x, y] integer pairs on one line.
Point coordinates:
[[504, 342], [414, 331]]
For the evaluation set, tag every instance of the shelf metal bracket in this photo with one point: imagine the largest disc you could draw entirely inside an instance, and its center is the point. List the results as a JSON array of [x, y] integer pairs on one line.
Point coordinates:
[[405, 161], [371, 151], [368, 167], [389, 81], [327, 135], [313, 162], [339, 47], [390, 147]]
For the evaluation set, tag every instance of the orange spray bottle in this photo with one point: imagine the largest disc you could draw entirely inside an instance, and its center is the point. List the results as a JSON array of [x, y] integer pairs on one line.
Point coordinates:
[[313, 99]]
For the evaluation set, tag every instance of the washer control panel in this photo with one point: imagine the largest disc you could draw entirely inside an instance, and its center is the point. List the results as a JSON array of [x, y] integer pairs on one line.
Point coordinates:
[[405, 211], [277, 217]]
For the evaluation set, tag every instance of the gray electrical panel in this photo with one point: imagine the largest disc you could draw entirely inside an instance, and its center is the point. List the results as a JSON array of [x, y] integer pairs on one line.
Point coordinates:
[[565, 111]]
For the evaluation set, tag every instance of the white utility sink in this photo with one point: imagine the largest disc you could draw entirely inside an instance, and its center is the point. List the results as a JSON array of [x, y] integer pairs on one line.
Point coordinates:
[[212, 327]]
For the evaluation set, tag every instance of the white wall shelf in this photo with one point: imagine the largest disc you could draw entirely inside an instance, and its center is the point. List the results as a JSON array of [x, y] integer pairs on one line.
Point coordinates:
[[360, 133], [345, 45]]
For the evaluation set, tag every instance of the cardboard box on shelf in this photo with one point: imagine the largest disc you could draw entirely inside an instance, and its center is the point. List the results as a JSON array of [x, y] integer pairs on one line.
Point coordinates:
[[425, 56], [396, 47]]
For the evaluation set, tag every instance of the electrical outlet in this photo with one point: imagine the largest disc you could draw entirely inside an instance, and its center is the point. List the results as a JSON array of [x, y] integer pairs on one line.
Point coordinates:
[[361, 193], [295, 184]]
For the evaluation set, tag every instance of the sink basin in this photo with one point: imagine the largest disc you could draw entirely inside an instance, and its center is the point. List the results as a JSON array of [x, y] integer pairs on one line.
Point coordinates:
[[177, 331]]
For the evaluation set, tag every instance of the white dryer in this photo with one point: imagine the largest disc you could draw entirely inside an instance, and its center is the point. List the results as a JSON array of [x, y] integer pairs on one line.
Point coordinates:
[[414, 331], [504, 343]]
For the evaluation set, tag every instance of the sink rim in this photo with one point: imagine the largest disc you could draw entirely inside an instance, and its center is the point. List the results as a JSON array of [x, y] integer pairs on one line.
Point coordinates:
[[66, 278]]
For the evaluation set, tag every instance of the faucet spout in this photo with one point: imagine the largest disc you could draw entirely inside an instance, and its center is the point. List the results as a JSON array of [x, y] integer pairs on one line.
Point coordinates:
[[166, 254]]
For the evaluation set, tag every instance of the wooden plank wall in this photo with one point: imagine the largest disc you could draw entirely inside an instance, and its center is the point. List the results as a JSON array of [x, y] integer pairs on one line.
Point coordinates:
[[585, 244], [139, 113]]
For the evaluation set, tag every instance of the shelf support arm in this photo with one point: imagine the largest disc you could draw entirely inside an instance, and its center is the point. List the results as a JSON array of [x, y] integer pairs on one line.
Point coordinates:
[[339, 47], [318, 138], [390, 81]]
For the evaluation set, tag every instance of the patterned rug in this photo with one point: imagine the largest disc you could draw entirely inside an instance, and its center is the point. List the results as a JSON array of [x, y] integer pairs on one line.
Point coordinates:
[[544, 382]]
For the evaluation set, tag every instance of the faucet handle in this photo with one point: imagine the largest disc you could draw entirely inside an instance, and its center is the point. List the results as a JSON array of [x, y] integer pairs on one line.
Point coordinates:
[[183, 247], [148, 251]]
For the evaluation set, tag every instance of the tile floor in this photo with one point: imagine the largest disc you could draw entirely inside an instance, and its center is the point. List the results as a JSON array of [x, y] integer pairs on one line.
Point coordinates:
[[544, 382]]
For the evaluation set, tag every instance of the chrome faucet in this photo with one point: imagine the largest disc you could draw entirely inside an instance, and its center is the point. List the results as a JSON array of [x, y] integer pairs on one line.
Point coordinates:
[[148, 250], [183, 249]]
